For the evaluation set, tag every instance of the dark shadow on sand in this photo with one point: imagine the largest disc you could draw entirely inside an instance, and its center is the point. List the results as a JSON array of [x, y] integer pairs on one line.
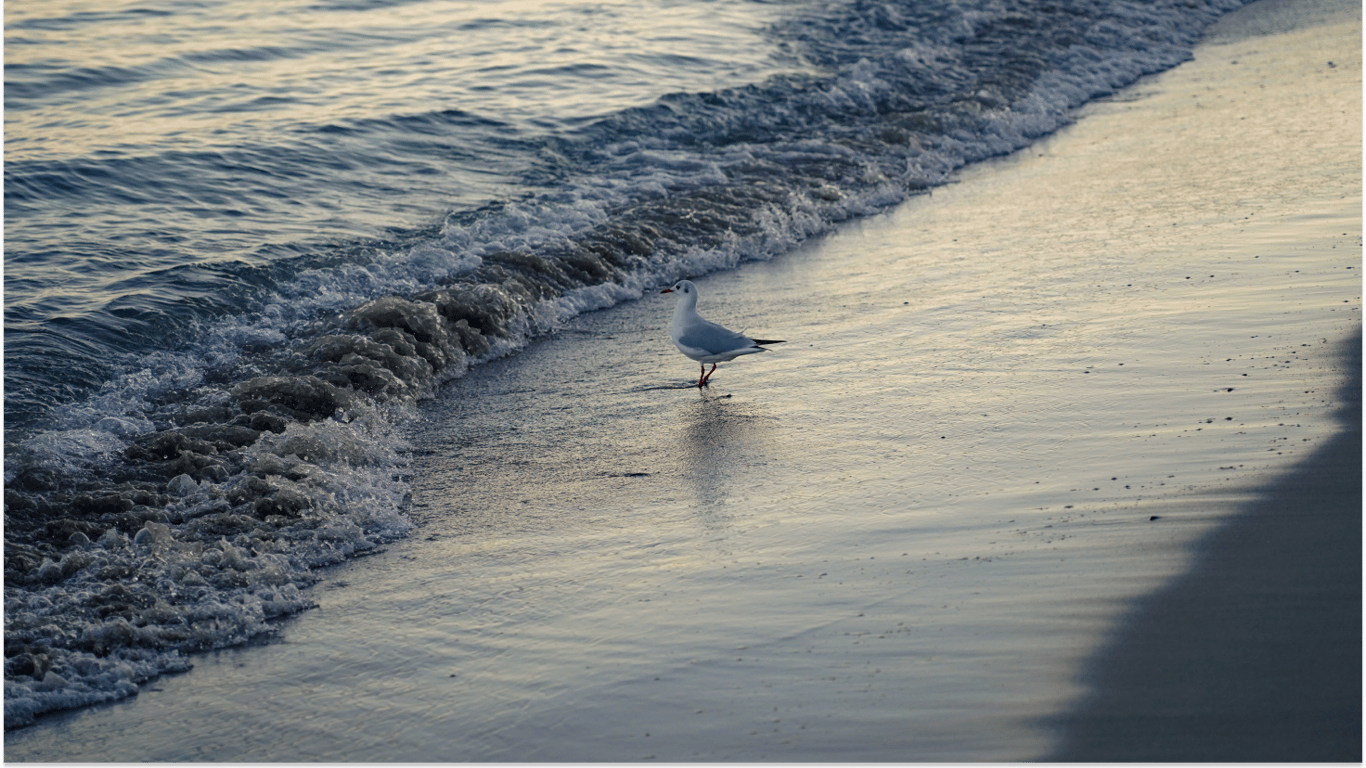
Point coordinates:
[[1255, 654]]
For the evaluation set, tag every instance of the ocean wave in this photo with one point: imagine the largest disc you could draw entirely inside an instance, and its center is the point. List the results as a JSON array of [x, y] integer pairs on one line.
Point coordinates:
[[183, 506]]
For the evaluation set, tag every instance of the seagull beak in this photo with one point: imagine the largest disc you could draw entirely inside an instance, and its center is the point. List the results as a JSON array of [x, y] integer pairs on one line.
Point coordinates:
[[667, 290]]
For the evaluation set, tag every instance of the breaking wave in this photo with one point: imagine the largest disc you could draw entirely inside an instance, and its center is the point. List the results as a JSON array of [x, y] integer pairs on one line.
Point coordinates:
[[184, 504]]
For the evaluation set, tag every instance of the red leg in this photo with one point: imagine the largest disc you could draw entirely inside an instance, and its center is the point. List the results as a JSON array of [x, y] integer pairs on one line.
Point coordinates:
[[707, 376], [702, 377]]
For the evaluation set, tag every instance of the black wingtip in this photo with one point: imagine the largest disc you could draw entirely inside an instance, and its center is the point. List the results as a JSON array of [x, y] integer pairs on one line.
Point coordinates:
[[762, 342]]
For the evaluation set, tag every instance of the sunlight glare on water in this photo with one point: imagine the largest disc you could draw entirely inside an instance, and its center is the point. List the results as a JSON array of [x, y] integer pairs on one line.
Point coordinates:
[[236, 70]]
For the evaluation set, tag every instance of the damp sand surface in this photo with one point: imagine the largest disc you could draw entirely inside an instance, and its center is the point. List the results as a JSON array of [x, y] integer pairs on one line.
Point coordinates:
[[1004, 414]]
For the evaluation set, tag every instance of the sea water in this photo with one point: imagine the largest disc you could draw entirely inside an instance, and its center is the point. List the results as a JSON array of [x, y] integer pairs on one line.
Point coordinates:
[[245, 243]]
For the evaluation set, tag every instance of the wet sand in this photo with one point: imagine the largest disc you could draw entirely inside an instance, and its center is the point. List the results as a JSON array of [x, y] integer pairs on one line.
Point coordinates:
[[1255, 654], [1006, 415]]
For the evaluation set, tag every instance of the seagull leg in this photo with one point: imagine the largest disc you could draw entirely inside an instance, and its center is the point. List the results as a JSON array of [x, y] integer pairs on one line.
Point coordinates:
[[707, 376]]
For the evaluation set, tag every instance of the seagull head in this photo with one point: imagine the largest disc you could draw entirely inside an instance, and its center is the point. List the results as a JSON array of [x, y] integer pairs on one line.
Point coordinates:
[[684, 287]]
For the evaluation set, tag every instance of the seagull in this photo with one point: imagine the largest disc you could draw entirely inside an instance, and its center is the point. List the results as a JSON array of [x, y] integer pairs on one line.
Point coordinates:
[[703, 340]]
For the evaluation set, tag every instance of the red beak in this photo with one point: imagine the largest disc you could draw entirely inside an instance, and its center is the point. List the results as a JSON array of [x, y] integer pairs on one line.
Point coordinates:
[[667, 290]]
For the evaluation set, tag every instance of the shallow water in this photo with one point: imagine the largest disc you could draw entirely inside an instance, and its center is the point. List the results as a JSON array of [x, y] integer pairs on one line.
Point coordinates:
[[1002, 411], [273, 233]]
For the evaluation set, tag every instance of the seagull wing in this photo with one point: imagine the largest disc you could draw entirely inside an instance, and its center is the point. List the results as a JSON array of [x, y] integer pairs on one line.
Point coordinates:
[[708, 338]]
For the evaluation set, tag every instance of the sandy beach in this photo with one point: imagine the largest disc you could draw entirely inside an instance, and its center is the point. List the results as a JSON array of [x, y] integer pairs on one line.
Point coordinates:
[[1060, 462], [1255, 654]]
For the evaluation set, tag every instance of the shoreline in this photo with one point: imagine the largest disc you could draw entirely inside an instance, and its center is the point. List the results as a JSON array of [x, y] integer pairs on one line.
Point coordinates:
[[1255, 654], [898, 537]]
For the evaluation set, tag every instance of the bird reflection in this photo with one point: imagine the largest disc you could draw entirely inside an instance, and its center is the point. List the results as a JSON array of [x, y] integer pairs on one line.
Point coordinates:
[[720, 437]]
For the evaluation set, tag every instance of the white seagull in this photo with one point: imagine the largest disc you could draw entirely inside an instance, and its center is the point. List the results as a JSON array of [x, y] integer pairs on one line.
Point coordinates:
[[703, 340]]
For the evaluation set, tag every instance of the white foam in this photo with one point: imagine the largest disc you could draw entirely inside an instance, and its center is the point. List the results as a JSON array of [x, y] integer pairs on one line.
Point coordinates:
[[331, 485]]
